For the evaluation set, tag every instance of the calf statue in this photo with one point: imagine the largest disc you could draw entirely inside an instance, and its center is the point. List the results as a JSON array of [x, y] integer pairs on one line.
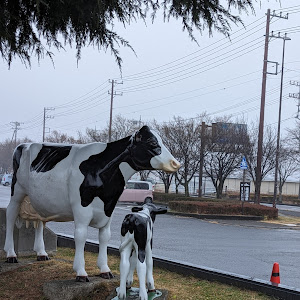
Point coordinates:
[[81, 183], [136, 249]]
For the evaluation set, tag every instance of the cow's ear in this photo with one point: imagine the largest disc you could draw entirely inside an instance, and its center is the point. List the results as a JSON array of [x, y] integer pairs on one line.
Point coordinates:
[[136, 209], [160, 210]]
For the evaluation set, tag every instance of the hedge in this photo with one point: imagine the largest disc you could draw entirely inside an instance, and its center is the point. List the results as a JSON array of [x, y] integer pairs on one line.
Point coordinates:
[[224, 208], [166, 198]]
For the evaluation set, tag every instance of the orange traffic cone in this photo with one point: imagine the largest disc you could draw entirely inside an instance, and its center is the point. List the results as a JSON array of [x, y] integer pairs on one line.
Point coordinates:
[[275, 277]]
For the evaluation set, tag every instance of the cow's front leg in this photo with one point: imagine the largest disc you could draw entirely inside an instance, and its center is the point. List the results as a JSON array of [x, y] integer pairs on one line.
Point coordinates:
[[104, 237], [12, 212], [80, 236], [39, 245]]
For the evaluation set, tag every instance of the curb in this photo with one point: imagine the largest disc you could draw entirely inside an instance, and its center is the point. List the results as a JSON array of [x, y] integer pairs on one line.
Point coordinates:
[[250, 283], [221, 217]]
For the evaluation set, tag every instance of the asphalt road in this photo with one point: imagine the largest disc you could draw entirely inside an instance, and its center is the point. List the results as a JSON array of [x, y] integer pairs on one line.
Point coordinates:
[[243, 247]]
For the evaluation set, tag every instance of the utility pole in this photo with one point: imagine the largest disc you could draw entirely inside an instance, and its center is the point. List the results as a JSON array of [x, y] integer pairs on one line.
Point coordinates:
[[15, 129], [285, 38], [296, 96], [262, 110], [112, 93], [46, 109], [203, 127], [262, 103]]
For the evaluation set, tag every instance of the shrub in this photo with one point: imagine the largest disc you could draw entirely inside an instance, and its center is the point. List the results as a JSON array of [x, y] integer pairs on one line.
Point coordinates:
[[223, 208], [166, 198]]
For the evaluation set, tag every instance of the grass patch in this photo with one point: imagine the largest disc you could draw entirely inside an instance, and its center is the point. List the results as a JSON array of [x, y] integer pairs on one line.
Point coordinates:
[[26, 282], [284, 220]]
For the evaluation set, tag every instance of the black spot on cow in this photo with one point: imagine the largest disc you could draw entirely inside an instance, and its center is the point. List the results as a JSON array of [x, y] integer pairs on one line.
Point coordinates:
[[102, 176], [137, 225], [49, 157], [16, 163]]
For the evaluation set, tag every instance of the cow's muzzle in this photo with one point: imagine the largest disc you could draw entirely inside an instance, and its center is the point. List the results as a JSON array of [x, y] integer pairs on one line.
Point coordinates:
[[171, 167]]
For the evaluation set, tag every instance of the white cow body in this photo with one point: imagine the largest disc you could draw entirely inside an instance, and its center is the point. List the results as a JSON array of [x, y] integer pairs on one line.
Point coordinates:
[[80, 183]]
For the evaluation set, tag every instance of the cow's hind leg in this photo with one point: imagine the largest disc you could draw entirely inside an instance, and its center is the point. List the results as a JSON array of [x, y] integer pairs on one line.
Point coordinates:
[[39, 245], [12, 212], [149, 272], [104, 237], [132, 260], [124, 270], [141, 271]]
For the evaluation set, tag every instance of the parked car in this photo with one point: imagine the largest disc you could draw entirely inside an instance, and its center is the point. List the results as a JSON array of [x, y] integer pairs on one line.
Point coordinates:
[[137, 191], [6, 179]]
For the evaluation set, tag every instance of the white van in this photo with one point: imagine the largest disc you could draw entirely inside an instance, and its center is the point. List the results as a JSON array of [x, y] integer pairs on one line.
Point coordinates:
[[6, 179]]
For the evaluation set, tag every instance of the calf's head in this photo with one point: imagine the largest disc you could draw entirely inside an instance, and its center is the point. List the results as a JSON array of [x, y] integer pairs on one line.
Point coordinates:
[[152, 208], [149, 152]]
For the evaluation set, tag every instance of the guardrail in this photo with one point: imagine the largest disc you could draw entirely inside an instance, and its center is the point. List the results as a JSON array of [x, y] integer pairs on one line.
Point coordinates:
[[281, 292]]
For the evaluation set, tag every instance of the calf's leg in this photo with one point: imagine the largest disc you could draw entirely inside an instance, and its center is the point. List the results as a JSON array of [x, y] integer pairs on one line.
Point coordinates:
[[124, 270], [141, 271], [149, 272], [132, 262]]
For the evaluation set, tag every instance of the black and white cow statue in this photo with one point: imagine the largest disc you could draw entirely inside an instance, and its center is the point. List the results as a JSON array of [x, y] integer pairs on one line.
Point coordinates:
[[136, 249], [81, 183]]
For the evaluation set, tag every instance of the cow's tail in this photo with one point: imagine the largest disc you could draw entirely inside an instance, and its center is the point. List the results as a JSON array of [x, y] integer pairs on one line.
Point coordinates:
[[16, 163]]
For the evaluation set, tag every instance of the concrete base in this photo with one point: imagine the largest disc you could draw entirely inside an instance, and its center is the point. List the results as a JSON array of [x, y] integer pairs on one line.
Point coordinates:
[[24, 238], [133, 294], [70, 289]]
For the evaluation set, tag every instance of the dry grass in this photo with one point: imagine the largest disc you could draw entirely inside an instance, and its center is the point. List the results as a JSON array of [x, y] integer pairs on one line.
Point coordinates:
[[284, 220], [26, 282]]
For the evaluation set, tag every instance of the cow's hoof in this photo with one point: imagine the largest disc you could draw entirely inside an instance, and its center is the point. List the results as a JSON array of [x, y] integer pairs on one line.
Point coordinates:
[[151, 291], [106, 275], [82, 279], [12, 260], [42, 258]]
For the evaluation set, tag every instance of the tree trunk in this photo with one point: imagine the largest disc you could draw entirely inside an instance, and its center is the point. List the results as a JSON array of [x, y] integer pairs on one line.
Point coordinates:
[[186, 189], [280, 193], [167, 186], [219, 190], [257, 189]]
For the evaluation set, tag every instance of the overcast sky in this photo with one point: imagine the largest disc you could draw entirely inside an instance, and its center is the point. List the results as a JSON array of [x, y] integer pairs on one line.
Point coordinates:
[[170, 75]]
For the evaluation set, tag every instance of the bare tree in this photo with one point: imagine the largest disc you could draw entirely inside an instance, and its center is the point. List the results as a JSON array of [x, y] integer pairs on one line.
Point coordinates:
[[144, 174], [182, 137], [286, 167], [293, 140], [58, 137], [6, 154], [166, 179], [268, 155], [224, 152], [121, 127]]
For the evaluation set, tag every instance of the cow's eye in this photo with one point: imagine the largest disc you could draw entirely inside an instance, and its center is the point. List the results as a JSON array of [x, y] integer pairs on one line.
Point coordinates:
[[153, 143]]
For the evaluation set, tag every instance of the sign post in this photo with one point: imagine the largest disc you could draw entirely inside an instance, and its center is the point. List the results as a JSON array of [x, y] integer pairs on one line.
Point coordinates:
[[243, 167]]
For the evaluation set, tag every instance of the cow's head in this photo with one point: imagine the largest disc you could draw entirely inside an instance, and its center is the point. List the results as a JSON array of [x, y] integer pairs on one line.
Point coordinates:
[[149, 153]]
